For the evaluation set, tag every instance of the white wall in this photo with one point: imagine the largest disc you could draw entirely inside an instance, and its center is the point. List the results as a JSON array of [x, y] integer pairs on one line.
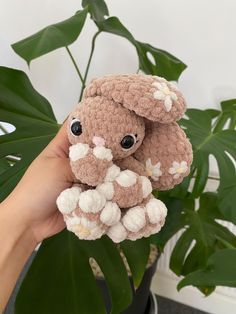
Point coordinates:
[[201, 33]]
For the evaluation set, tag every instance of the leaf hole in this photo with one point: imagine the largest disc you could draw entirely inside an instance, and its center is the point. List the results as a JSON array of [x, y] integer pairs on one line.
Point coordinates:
[[151, 58], [8, 161], [6, 128]]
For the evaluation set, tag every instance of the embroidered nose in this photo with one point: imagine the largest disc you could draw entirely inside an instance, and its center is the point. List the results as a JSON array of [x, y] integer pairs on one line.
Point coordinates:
[[98, 141]]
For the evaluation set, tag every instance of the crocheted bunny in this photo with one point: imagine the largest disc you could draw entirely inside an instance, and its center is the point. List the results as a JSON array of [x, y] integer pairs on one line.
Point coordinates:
[[125, 142]]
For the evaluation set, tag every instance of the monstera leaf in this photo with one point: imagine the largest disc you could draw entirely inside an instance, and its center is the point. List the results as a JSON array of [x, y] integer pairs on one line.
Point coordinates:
[[51, 37], [165, 65], [220, 270], [202, 236], [209, 135], [151, 59], [4, 165], [32, 116], [62, 277], [137, 254], [97, 9], [175, 221]]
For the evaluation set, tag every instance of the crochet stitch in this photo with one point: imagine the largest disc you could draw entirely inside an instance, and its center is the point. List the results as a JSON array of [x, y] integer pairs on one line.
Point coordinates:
[[124, 142]]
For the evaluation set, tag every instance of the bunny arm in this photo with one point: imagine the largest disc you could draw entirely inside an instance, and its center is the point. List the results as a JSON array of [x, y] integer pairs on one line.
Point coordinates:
[[94, 167], [126, 188], [90, 165], [132, 164]]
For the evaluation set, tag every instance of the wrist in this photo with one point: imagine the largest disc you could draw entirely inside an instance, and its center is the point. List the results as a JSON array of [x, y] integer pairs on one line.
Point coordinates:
[[15, 226], [17, 244]]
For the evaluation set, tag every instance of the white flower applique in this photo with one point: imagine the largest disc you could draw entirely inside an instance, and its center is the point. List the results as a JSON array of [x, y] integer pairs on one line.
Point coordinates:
[[164, 93], [178, 168], [153, 171]]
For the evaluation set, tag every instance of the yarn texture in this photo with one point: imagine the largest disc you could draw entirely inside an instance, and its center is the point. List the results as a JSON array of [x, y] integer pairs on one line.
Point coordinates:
[[125, 142]]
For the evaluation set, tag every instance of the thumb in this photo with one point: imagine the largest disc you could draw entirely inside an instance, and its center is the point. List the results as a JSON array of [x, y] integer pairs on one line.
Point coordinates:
[[59, 146]]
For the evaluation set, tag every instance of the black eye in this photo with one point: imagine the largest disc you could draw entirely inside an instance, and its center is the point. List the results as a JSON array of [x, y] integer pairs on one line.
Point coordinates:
[[76, 127], [128, 141]]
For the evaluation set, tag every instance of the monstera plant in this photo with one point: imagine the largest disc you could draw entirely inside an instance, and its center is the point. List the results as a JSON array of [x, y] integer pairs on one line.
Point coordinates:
[[205, 252]]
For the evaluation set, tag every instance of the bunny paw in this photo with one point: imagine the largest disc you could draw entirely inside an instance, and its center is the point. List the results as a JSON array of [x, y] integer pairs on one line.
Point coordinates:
[[156, 211], [84, 228], [117, 233], [134, 219], [110, 214], [67, 201], [91, 201]]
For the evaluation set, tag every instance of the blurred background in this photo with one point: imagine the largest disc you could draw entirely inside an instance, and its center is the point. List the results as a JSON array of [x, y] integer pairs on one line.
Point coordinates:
[[200, 33]]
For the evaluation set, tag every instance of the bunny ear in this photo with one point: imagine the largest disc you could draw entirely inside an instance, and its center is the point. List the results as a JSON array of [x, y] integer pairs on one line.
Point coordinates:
[[166, 153], [148, 96]]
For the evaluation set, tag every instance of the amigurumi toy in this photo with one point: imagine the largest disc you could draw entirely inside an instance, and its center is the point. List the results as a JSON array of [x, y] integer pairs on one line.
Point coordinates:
[[124, 143]]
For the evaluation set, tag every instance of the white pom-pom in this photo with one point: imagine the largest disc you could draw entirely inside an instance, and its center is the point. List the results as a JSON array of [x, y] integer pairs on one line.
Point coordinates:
[[117, 233], [126, 178], [112, 173], [71, 222], [96, 233], [110, 214], [106, 189], [68, 199], [102, 153], [156, 211], [89, 224], [146, 186], [91, 201], [84, 228], [156, 229], [78, 151], [134, 219]]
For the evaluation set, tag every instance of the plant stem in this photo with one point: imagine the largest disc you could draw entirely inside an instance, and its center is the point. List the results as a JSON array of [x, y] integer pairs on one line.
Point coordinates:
[[213, 178], [88, 64], [209, 178], [75, 65]]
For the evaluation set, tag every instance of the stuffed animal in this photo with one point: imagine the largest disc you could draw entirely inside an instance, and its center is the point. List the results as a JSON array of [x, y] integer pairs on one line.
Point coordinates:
[[125, 142]]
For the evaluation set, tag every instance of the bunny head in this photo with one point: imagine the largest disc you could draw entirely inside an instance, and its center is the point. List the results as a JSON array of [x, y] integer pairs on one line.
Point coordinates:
[[99, 121], [135, 117]]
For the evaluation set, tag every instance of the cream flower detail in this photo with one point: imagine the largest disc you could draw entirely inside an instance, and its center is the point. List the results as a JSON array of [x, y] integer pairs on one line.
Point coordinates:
[[164, 93], [153, 171], [178, 168]]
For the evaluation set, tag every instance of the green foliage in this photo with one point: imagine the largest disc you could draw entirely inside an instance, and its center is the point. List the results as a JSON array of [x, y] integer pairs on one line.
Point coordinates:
[[220, 270], [97, 9], [51, 37], [60, 274], [137, 257], [165, 65], [31, 114], [65, 33], [209, 137], [4, 165], [204, 232]]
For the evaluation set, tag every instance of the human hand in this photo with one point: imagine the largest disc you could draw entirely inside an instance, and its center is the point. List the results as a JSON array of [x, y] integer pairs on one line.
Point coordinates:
[[33, 201], [29, 214]]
